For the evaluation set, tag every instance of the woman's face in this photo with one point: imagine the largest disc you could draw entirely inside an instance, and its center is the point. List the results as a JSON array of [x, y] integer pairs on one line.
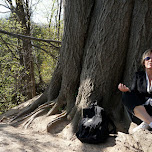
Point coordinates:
[[148, 62]]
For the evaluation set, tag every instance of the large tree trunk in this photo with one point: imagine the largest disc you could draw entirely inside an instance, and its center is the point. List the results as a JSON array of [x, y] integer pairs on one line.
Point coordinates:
[[102, 44]]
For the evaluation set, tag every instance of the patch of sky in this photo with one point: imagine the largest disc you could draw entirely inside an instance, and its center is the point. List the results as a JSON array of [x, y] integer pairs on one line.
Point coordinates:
[[41, 10]]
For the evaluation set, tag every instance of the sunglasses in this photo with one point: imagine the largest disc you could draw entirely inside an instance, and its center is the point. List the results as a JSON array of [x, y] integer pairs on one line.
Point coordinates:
[[147, 58]]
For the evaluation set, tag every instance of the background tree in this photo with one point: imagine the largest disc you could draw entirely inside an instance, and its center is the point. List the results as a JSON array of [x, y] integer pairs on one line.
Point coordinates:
[[21, 12], [102, 45]]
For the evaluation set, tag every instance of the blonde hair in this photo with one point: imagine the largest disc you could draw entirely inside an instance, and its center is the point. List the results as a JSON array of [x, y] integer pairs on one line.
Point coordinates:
[[145, 54]]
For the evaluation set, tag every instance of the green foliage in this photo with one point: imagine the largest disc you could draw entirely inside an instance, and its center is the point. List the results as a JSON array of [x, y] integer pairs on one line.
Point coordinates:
[[45, 62], [9, 75], [10, 68], [47, 67]]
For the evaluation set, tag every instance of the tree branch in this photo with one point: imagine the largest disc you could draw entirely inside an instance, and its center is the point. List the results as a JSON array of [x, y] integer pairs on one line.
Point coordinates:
[[5, 6], [5, 12], [53, 56], [9, 48], [29, 37]]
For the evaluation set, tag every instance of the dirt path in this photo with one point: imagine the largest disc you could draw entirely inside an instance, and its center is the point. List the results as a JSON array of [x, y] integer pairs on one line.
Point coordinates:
[[21, 140], [36, 139]]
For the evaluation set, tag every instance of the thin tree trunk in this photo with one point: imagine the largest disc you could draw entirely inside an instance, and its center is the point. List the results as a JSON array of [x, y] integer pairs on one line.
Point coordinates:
[[59, 20], [24, 17]]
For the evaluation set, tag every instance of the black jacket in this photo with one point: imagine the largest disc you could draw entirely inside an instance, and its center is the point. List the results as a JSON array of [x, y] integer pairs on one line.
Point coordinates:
[[139, 85]]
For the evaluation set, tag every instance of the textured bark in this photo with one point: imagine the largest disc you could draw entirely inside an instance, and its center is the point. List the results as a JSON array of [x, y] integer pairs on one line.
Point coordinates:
[[140, 37], [105, 53], [71, 54]]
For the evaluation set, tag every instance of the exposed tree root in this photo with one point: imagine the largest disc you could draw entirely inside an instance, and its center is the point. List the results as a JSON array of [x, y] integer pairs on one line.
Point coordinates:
[[29, 121], [71, 113], [57, 119], [43, 107], [54, 109], [4, 118], [36, 109], [41, 100], [53, 106]]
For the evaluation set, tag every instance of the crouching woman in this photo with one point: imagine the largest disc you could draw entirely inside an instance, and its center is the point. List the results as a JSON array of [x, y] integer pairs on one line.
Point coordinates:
[[138, 98]]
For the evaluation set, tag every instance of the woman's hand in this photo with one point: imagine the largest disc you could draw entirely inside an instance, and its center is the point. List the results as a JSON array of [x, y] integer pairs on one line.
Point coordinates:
[[123, 88]]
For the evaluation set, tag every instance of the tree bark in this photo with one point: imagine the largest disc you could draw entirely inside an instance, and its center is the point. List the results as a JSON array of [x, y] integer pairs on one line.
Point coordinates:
[[104, 55]]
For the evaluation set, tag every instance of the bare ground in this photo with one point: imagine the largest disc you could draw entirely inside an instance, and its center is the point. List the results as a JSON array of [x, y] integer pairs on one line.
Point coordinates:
[[36, 139], [21, 140]]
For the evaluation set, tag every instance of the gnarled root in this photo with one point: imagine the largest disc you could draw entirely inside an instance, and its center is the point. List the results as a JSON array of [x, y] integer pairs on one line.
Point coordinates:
[[40, 109], [39, 101], [55, 108], [57, 119], [29, 121]]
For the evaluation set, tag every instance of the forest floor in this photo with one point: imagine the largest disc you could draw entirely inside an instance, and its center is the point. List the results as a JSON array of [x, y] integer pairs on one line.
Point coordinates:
[[26, 140], [37, 139]]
